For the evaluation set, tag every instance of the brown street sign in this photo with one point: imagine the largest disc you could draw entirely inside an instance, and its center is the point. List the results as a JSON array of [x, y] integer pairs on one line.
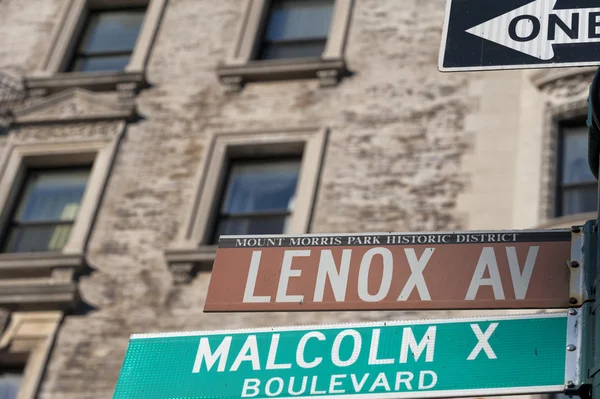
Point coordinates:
[[465, 270]]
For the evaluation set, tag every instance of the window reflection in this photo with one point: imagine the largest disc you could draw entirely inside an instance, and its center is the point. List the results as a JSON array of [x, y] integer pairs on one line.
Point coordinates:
[[46, 210], [9, 384], [108, 40], [258, 197], [296, 29]]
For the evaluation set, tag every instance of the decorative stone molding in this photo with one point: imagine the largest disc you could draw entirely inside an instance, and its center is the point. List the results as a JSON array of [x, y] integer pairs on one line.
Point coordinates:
[[185, 263], [48, 280], [232, 84], [38, 294], [29, 338], [38, 281], [329, 77], [204, 253], [127, 93], [50, 76], [12, 94], [182, 272], [327, 71], [39, 86], [38, 264], [555, 113], [61, 131], [193, 246], [242, 67], [73, 105], [566, 92]]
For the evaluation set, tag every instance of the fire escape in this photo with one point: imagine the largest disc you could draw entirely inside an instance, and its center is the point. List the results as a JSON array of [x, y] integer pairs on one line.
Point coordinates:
[[12, 94]]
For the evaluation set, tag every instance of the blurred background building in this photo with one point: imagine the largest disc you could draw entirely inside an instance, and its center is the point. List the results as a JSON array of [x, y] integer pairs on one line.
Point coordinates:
[[134, 132]]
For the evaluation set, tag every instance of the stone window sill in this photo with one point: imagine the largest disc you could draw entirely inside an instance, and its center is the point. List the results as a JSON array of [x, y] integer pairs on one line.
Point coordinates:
[[37, 294], [184, 263], [93, 81], [39, 281], [328, 71], [38, 263]]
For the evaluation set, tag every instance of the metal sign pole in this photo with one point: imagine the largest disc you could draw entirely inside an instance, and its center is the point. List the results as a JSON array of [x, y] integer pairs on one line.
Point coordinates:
[[590, 361], [595, 313]]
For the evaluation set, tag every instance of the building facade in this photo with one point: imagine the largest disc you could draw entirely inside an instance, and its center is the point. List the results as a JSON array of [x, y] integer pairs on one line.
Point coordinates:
[[134, 132]]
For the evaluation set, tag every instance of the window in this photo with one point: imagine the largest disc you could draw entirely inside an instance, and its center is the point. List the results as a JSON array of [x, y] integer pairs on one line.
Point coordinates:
[[258, 197], [108, 40], [10, 382], [289, 39], [577, 187], [59, 171], [296, 29], [26, 344], [250, 182], [99, 47], [46, 210]]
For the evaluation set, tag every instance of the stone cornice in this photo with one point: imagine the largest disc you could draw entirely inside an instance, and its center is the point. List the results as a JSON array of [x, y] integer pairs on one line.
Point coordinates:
[[328, 71]]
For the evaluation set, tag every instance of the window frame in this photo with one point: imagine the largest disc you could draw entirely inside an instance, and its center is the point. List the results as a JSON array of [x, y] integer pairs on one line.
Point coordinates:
[[242, 66], [77, 51], [19, 197], [52, 75], [98, 153], [41, 135], [192, 245], [219, 215], [559, 185], [261, 38], [555, 113]]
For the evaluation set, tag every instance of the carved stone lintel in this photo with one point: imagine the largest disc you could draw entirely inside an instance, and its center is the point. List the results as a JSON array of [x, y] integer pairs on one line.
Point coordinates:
[[232, 84], [182, 272], [328, 77]]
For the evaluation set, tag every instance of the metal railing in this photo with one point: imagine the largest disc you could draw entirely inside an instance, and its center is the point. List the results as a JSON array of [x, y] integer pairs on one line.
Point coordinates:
[[12, 93]]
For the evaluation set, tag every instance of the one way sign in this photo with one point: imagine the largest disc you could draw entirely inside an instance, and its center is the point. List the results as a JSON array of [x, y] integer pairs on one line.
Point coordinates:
[[515, 34]]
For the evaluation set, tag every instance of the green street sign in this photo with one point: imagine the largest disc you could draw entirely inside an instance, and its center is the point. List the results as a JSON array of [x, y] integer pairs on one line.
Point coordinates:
[[413, 359]]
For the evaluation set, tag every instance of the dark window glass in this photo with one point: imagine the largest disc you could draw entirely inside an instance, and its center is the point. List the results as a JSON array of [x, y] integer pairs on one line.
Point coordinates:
[[10, 381], [577, 189], [46, 211], [258, 197], [296, 29], [108, 40], [116, 63]]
